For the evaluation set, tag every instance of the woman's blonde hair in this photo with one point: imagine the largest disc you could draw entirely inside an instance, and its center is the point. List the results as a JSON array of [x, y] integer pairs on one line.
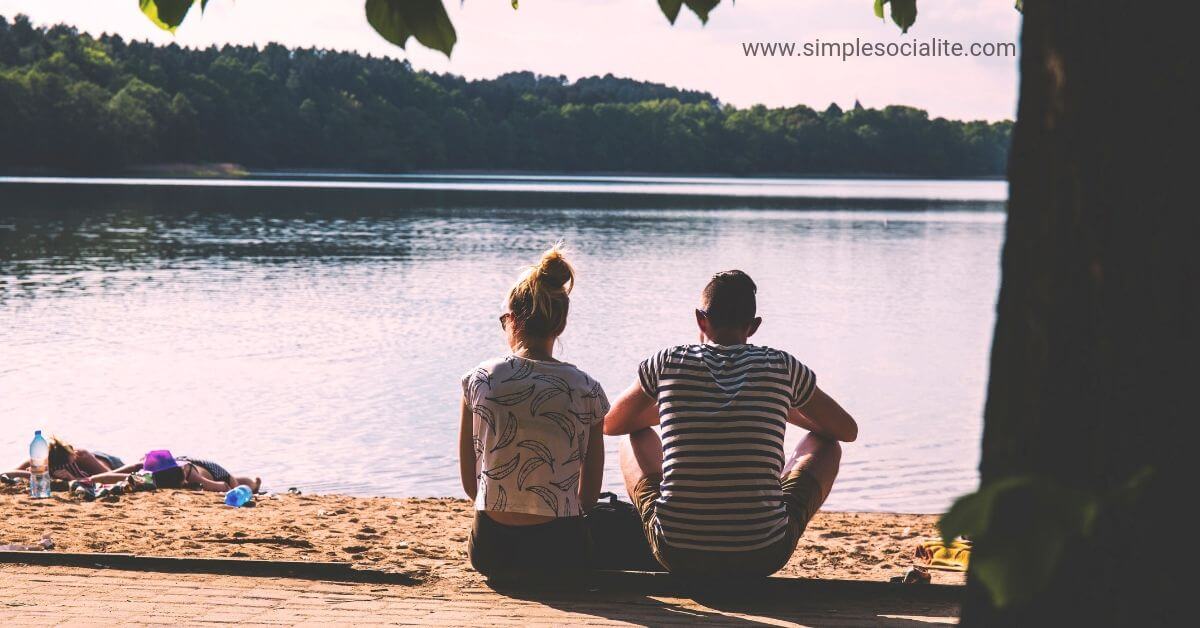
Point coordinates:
[[540, 299], [60, 452]]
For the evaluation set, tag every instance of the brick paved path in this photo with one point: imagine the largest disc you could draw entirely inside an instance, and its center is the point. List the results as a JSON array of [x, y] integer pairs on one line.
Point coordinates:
[[49, 596]]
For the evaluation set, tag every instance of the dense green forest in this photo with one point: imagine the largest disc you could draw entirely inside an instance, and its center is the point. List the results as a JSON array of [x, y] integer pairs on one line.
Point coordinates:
[[69, 101]]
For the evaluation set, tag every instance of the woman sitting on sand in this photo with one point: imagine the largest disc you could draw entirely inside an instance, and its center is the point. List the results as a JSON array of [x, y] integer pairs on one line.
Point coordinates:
[[183, 472], [68, 463], [531, 441]]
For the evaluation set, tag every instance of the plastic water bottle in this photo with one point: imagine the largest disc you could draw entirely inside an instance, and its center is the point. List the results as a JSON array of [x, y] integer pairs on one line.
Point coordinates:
[[239, 496], [39, 467]]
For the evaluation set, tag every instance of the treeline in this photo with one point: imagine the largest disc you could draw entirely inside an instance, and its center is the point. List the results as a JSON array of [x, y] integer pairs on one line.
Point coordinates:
[[73, 102]]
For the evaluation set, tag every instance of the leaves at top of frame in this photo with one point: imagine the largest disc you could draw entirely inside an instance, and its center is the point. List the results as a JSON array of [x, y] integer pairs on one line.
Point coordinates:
[[904, 12], [167, 14], [701, 8], [426, 20]]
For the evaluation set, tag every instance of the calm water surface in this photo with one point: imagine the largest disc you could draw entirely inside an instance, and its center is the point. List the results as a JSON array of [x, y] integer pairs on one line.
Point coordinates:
[[313, 330]]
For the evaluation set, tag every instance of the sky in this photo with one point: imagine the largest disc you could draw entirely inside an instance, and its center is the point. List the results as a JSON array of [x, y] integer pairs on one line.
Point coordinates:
[[630, 38]]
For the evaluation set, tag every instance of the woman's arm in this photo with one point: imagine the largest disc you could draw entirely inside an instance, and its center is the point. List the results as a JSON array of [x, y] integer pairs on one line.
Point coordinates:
[[466, 450], [823, 416], [633, 410], [592, 473]]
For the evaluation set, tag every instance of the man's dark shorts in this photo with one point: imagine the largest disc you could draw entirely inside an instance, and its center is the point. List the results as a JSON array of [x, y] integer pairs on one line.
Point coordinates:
[[801, 498]]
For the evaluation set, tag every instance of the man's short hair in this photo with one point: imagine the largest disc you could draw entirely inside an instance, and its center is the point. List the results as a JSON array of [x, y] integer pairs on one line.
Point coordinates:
[[728, 299]]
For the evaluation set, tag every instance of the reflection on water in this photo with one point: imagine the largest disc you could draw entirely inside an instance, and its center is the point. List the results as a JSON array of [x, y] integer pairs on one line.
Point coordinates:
[[316, 336]]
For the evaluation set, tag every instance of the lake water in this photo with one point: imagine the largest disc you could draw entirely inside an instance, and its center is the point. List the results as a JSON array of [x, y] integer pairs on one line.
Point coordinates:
[[312, 329]]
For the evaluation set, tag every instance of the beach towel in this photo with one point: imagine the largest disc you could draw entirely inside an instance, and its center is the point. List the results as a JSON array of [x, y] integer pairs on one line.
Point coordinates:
[[934, 554]]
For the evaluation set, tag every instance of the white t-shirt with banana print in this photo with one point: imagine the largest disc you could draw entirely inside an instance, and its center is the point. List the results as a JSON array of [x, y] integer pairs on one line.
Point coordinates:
[[531, 426]]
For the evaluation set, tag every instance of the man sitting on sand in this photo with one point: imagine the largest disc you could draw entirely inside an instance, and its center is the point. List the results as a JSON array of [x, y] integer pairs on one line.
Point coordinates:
[[715, 496]]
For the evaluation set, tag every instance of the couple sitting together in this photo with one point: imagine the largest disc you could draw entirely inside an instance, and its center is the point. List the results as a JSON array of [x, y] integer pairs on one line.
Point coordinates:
[[716, 494]]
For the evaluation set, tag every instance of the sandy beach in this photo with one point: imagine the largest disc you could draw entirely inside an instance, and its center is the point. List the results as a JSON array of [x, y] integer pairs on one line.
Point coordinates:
[[422, 538]]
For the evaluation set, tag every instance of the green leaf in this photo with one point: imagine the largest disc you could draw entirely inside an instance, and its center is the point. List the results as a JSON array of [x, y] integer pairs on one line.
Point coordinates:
[[970, 514], [1020, 4], [1020, 525], [397, 20], [670, 8], [904, 12], [514, 4], [701, 8], [166, 14]]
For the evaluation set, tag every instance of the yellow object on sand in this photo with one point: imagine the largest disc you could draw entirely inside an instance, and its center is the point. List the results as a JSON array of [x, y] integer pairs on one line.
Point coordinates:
[[937, 555]]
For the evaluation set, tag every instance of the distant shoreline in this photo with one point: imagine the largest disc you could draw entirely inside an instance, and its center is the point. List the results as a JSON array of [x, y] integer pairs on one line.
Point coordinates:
[[228, 170]]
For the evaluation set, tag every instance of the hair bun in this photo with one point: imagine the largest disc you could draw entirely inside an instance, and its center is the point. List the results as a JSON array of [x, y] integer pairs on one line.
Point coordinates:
[[540, 299], [554, 271]]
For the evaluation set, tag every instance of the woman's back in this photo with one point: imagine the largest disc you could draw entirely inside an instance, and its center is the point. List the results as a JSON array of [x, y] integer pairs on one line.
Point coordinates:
[[532, 423], [531, 450]]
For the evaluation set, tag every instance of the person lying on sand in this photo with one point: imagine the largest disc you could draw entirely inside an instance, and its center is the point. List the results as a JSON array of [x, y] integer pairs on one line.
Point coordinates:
[[68, 463], [531, 449], [183, 472], [715, 496]]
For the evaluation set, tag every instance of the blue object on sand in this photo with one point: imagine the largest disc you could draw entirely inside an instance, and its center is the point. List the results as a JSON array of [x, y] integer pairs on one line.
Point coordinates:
[[239, 496]]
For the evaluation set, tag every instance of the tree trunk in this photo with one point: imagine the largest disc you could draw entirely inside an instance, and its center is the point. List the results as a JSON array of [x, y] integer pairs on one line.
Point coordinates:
[[1093, 361]]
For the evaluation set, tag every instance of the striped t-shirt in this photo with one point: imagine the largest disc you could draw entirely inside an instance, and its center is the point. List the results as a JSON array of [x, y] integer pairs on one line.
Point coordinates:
[[723, 411]]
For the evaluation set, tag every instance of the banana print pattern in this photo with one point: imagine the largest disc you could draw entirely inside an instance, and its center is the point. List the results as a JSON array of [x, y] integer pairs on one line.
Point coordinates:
[[563, 423], [484, 413], [530, 466], [542, 398], [510, 433], [546, 495], [513, 398], [532, 421], [522, 371], [501, 499], [568, 483], [503, 470]]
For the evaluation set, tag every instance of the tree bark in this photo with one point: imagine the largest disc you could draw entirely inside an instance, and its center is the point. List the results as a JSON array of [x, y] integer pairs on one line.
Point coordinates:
[[1093, 369]]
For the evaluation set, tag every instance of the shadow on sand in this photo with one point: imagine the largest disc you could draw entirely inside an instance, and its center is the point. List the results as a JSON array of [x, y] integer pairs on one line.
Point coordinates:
[[653, 599]]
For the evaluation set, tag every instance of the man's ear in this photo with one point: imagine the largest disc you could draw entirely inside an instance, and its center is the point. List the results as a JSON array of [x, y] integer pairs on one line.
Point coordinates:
[[702, 323], [753, 326]]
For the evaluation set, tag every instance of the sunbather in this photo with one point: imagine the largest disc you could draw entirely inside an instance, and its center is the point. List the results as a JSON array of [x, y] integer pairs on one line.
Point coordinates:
[[531, 449], [185, 472], [68, 463], [715, 496]]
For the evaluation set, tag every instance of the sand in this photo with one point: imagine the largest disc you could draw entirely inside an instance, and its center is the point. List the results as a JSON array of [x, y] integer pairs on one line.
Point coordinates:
[[422, 538]]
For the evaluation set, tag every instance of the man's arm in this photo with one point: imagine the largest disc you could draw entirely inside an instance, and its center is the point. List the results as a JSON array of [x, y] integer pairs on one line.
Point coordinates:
[[823, 416], [632, 411]]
